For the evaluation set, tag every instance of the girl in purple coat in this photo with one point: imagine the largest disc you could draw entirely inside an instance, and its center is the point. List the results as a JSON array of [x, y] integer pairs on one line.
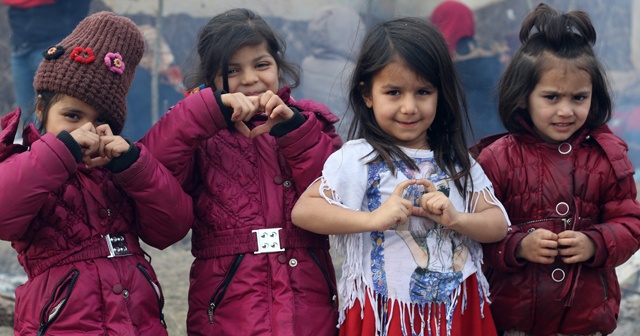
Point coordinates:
[[245, 151], [566, 182], [76, 197]]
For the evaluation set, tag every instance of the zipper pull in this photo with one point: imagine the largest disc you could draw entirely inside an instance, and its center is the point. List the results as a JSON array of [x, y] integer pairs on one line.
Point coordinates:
[[212, 307], [567, 222]]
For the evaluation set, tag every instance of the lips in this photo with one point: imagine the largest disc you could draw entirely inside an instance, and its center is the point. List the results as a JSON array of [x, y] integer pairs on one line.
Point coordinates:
[[407, 123], [252, 93]]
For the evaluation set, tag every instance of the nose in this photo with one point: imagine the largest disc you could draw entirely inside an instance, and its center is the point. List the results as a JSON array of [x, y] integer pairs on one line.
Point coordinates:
[[409, 105], [565, 109], [249, 77]]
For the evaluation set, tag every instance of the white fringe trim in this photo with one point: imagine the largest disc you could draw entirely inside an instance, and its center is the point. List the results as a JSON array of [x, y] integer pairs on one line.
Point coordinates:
[[351, 286]]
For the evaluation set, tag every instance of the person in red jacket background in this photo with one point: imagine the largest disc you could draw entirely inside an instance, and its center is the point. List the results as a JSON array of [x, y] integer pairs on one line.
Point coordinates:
[[77, 197], [245, 150], [566, 182]]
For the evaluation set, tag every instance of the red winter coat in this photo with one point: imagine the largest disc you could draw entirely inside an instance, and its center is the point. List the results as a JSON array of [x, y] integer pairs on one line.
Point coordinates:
[[239, 185], [586, 183], [56, 213]]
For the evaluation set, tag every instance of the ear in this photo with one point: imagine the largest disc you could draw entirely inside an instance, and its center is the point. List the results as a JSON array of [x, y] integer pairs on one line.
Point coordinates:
[[522, 104], [39, 108], [366, 96]]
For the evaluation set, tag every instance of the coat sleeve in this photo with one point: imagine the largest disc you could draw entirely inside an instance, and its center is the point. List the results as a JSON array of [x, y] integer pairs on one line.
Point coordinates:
[[164, 211], [27, 179], [308, 147], [174, 139], [500, 255], [617, 238]]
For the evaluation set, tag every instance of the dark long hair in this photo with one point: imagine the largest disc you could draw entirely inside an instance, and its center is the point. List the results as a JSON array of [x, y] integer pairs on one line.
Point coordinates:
[[422, 48], [223, 35], [549, 38], [44, 101]]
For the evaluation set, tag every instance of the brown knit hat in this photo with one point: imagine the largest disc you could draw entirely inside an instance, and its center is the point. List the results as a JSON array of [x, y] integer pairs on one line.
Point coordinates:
[[95, 64]]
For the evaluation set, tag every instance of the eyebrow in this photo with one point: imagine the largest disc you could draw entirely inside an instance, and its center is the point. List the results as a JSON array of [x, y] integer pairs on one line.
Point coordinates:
[[581, 92], [256, 59], [394, 86]]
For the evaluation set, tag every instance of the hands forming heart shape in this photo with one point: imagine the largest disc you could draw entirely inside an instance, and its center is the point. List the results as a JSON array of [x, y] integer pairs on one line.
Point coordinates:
[[99, 145], [245, 107]]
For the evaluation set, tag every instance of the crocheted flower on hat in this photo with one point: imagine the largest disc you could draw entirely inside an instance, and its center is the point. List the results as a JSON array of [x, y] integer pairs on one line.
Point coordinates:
[[114, 62], [53, 52], [83, 55]]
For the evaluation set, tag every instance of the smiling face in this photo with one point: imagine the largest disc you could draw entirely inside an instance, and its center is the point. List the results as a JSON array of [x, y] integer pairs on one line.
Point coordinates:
[[252, 71], [560, 102], [404, 104], [68, 114]]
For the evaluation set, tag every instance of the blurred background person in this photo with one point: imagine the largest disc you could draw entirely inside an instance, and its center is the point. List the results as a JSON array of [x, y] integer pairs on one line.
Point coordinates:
[[35, 26], [335, 35], [478, 69], [170, 87]]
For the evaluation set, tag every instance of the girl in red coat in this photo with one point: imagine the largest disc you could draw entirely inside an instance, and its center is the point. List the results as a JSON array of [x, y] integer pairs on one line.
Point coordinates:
[[566, 182], [245, 150], [407, 203], [76, 197]]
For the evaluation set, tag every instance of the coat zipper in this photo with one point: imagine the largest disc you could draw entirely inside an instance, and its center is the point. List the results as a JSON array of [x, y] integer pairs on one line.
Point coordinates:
[[156, 289], [604, 286], [217, 297], [73, 273], [332, 292]]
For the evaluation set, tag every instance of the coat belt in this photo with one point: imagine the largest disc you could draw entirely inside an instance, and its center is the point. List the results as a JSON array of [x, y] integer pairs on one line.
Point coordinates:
[[225, 245]]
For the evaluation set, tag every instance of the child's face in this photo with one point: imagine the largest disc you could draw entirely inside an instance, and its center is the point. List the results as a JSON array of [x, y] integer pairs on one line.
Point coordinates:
[[69, 113], [560, 102], [404, 104], [252, 71]]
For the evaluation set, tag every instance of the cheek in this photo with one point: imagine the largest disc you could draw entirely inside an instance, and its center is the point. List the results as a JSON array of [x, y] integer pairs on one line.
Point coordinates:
[[274, 81]]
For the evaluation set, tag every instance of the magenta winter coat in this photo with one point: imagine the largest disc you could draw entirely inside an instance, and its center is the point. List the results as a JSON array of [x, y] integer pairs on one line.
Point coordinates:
[[585, 184], [239, 185], [57, 213]]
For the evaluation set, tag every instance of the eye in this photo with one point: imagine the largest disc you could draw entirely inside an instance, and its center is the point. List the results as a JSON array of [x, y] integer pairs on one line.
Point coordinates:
[[232, 72], [581, 97], [551, 97], [393, 92], [72, 116], [424, 92], [101, 121], [263, 65]]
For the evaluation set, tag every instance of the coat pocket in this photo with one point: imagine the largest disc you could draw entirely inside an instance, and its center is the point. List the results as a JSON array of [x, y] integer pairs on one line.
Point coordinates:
[[58, 300], [156, 289]]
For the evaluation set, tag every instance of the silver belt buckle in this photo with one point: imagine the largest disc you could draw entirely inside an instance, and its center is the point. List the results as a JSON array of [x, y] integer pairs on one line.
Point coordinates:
[[268, 240], [117, 245]]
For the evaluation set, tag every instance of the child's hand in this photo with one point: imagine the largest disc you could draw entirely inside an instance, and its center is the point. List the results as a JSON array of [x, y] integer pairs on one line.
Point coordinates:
[[88, 140], [275, 109], [575, 247], [111, 146], [436, 206], [395, 210], [244, 108], [539, 246]]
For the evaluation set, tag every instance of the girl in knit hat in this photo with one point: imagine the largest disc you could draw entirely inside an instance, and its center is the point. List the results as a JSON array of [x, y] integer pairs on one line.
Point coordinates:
[[245, 150], [77, 197]]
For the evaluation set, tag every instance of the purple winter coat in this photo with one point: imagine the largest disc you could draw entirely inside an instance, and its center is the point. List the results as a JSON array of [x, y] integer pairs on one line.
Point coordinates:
[[584, 184], [239, 185], [56, 213]]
